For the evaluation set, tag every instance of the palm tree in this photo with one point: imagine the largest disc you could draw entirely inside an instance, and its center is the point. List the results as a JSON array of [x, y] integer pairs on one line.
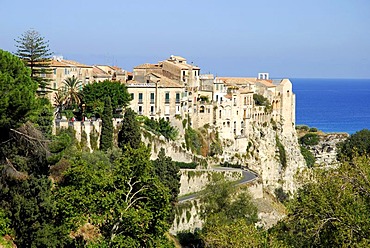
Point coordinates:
[[59, 98], [72, 95]]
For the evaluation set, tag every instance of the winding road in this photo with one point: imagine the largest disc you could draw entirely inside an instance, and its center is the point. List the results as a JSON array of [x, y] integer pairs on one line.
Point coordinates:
[[248, 176]]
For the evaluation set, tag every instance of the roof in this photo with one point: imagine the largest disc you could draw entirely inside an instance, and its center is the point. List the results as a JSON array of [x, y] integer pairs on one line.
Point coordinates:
[[66, 63], [246, 81], [181, 65], [163, 82], [99, 72], [166, 82], [148, 66]]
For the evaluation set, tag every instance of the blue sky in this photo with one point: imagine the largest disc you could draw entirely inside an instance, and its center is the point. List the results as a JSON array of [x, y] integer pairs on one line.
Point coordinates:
[[287, 38]]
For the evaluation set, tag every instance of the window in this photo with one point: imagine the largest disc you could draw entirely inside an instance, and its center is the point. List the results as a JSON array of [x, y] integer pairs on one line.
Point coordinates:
[[152, 97], [177, 97], [55, 85], [132, 96], [152, 110], [55, 71], [177, 109], [140, 110], [140, 97], [167, 99], [201, 110]]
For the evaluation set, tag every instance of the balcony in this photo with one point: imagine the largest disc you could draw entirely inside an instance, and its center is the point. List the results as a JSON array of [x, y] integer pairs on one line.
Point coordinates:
[[167, 101], [140, 101]]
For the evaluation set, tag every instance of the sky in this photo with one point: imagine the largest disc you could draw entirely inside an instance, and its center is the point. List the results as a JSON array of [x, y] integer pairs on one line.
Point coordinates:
[[287, 38]]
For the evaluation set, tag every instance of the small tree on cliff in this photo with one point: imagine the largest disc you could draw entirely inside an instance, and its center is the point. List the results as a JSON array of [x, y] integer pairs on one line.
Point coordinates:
[[106, 138], [130, 132]]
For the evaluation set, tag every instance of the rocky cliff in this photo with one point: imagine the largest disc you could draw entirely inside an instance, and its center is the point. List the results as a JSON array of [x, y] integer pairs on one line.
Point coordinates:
[[271, 152]]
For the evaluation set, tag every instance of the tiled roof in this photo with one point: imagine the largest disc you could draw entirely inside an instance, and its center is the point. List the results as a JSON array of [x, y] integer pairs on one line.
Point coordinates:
[[166, 82], [66, 63], [147, 66]]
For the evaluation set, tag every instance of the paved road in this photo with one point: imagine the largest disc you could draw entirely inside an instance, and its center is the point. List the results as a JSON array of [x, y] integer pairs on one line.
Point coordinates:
[[247, 177]]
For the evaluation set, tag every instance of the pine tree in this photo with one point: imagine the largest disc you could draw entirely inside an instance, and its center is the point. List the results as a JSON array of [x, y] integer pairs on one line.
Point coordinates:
[[34, 50], [130, 133], [106, 138]]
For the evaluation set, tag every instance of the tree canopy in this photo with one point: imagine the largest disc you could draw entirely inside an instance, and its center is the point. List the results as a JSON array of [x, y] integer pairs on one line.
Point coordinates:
[[130, 134], [106, 137], [17, 93], [333, 211], [357, 144], [95, 93]]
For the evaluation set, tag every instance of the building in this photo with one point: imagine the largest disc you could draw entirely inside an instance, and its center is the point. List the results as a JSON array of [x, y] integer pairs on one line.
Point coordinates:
[[174, 88]]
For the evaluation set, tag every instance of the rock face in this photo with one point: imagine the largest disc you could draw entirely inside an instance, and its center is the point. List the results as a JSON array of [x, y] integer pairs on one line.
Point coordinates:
[[325, 151], [271, 152]]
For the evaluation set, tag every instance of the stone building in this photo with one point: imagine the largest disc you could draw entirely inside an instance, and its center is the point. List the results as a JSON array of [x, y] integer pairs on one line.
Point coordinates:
[[174, 88]]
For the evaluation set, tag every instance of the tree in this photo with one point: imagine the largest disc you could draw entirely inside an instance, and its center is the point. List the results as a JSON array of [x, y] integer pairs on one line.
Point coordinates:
[[117, 196], [220, 202], [94, 94], [229, 216], [333, 214], [17, 94], [34, 50], [72, 95], [106, 138], [357, 144], [168, 173], [129, 134]]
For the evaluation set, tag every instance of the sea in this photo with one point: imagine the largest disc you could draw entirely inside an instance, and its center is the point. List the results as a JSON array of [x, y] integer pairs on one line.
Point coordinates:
[[333, 105]]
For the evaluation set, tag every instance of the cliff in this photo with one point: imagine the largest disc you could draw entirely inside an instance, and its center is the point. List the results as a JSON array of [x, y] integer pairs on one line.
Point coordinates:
[[272, 152]]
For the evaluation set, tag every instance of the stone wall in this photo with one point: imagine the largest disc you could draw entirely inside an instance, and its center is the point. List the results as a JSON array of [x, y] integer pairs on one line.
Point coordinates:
[[195, 180]]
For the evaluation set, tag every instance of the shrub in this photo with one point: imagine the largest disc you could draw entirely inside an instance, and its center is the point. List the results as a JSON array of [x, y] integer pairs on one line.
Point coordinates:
[[282, 153], [183, 165], [313, 129], [308, 156], [302, 127], [310, 139], [281, 195]]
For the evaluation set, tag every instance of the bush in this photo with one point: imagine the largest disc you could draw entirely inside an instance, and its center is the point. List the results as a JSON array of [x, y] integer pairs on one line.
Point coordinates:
[[308, 156], [281, 195], [302, 127], [260, 100], [183, 165], [310, 139], [357, 144], [231, 165], [282, 153], [313, 129]]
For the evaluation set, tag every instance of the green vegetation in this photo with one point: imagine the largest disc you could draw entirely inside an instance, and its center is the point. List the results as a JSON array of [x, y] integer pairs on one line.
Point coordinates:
[[193, 140], [106, 137], [308, 157], [260, 100], [183, 165], [161, 127], [94, 94], [309, 139], [169, 174], [332, 211], [34, 50], [130, 132], [54, 193], [358, 144], [282, 153], [17, 95]]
